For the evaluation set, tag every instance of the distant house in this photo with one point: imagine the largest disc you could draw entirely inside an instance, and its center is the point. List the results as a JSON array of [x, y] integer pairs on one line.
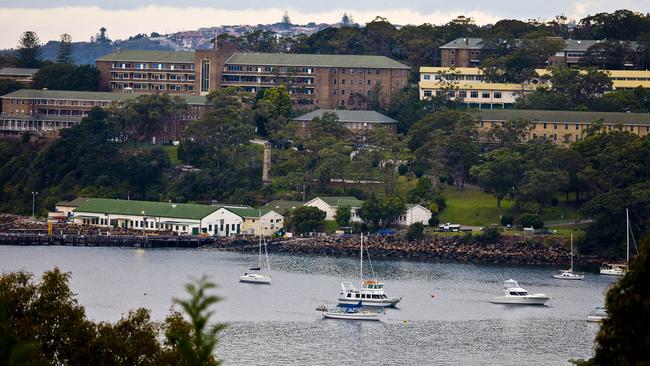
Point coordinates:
[[360, 122], [330, 204], [67, 207], [258, 221], [413, 214], [282, 206], [21, 75]]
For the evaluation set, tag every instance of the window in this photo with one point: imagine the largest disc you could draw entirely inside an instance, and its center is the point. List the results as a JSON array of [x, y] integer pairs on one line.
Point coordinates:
[[427, 93], [205, 75], [555, 126], [577, 126], [369, 71], [427, 77], [234, 68], [497, 95], [249, 68], [369, 82], [342, 71], [485, 95], [343, 81], [342, 91], [566, 126], [334, 81], [544, 125], [334, 92], [473, 94], [377, 71], [462, 94]]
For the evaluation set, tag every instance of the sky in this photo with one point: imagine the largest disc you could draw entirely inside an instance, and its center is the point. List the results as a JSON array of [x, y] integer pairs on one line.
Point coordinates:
[[82, 18]]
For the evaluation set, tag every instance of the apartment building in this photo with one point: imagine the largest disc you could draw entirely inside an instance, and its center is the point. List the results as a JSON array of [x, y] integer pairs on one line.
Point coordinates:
[[566, 127], [324, 81], [468, 52], [45, 112], [468, 84]]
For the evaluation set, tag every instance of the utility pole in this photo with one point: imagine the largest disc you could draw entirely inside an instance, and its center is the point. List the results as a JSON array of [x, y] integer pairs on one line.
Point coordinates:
[[34, 194]]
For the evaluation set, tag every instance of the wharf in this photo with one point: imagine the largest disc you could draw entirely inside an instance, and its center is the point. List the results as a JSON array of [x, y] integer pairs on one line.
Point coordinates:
[[108, 240]]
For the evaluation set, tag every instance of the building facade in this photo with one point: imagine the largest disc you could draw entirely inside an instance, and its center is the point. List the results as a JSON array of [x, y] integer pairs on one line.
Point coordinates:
[[357, 121], [324, 81], [468, 85], [262, 221], [565, 127], [21, 75], [46, 112], [414, 214], [330, 204]]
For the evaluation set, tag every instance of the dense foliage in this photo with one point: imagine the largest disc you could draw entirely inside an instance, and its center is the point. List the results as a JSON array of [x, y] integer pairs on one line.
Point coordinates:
[[41, 323]]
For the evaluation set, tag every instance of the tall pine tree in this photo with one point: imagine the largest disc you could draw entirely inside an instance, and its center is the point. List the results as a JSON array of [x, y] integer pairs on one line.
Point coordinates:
[[64, 54], [29, 50]]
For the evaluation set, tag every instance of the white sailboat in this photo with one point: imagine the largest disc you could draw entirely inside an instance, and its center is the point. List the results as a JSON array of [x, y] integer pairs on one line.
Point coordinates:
[[371, 292], [253, 275], [568, 274], [619, 269]]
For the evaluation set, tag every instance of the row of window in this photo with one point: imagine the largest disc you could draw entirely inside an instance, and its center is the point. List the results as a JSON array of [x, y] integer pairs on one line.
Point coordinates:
[[138, 86], [463, 94], [576, 126], [154, 66], [352, 82], [149, 76], [62, 102], [351, 92], [34, 125]]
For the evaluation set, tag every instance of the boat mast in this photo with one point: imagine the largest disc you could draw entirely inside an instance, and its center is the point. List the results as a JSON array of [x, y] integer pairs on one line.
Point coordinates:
[[571, 252], [627, 234], [361, 261], [259, 255]]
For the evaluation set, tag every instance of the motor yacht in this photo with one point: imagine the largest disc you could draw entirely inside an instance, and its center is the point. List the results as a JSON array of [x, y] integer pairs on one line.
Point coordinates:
[[597, 315], [513, 294]]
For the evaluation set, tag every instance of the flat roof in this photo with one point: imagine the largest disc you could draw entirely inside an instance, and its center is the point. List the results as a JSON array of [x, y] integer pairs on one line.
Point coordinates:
[[17, 71], [641, 119], [149, 56], [90, 96], [297, 59], [151, 209], [348, 116]]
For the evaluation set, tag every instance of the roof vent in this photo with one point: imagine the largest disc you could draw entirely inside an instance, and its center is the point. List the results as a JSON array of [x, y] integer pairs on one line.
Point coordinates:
[[173, 205], [44, 89]]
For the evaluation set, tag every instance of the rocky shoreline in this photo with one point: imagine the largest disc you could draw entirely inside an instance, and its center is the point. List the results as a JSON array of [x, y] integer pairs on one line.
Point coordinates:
[[510, 250]]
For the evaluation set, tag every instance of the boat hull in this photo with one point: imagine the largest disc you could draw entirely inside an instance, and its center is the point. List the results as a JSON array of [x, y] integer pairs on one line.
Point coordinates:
[[351, 316], [596, 318], [383, 303], [524, 300], [572, 277], [257, 279], [612, 272]]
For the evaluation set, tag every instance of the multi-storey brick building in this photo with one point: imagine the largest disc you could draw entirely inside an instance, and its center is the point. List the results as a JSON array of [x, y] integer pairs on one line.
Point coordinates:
[[45, 112], [325, 81], [17, 74]]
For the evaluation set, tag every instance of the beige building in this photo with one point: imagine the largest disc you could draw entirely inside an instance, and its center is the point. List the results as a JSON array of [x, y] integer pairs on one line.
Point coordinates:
[[258, 221]]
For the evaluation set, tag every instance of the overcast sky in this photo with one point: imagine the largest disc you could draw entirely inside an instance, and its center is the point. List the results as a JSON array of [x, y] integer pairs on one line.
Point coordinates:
[[82, 18]]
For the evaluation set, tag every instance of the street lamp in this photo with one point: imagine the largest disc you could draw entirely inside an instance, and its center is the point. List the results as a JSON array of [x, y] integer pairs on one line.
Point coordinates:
[[144, 224], [34, 194]]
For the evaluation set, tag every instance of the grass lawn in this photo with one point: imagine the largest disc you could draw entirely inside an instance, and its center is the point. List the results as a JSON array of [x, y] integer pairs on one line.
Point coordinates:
[[474, 207], [172, 152], [330, 226]]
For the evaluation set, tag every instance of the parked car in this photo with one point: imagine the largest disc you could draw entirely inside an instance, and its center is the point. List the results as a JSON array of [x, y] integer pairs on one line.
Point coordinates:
[[449, 227]]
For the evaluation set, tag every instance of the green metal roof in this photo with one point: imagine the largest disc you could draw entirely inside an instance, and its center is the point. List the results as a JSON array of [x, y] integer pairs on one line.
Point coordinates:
[[642, 119], [249, 212], [151, 209], [348, 116], [88, 95], [72, 203], [342, 201], [291, 59], [281, 206], [149, 56]]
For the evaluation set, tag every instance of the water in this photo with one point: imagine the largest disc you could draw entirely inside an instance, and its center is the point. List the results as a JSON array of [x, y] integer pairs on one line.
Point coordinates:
[[278, 324]]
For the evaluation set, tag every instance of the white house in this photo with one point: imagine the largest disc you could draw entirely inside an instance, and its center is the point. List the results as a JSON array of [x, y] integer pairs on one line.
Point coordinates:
[[330, 204], [180, 218], [413, 214], [258, 221]]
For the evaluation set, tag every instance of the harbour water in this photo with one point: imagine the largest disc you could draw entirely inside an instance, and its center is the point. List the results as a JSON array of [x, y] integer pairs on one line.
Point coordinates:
[[278, 324]]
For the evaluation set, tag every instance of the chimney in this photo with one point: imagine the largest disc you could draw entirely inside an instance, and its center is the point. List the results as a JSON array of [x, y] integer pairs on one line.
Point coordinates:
[[266, 164], [466, 41]]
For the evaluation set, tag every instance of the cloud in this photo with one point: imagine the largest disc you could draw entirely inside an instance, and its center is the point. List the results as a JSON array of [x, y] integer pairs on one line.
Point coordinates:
[[83, 22]]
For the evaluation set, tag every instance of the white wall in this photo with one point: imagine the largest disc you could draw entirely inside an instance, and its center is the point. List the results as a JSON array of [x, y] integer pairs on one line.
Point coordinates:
[[330, 211], [153, 223], [222, 223], [414, 214]]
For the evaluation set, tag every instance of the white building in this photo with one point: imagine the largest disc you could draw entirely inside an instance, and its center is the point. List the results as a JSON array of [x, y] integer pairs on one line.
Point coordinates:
[[180, 218], [413, 214], [330, 204], [258, 221]]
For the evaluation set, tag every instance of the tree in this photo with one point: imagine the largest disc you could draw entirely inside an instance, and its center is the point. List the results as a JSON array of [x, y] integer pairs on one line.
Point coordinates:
[[145, 115], [606, 55], [29, 50], [306, 219], [272, 110], [531, 220], [383, 211], [500, 174], [101, 37], [539, 187], [64, 53], [66, 76], [415, 232], [343, 216], [624, 337]]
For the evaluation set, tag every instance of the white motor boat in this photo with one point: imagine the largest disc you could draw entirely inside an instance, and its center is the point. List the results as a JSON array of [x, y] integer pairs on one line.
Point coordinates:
[[351, 312], [371, 292], [254, 275], [619, 269], [568, 274], [597, 315], [513, 294]]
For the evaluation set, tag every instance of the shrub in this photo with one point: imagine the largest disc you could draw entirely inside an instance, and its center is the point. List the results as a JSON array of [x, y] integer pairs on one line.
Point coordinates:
[[531, 220], [402, 169], [418, 171], [415, 232], [434, 221], [507, 220], [450, 180], [489, 235]]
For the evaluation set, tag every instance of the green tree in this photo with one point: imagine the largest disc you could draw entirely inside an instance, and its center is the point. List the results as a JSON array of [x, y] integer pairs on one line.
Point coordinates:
[[272, 110], [145, 115], [415, 232], [624, 337], [306, 219], [66, 76], [531, 220], [539, 187], [500, 174], [28, 53], [343, 216], [64, 53]]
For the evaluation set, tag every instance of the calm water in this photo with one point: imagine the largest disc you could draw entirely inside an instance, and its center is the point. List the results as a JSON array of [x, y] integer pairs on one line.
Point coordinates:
[[278, 324]]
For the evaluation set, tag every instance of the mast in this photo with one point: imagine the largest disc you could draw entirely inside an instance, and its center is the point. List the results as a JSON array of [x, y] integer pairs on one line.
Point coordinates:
[[361, 261], [627, 234], [571, 252], [259, 255]]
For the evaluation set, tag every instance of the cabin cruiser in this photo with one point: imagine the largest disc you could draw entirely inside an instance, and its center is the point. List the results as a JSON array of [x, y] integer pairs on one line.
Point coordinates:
[[351, 312], [513, 294], [597, 315], [371, 293], [616, 269]]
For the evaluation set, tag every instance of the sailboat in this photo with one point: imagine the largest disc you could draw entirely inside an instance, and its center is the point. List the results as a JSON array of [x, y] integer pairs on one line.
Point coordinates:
[[371, 292], [619, 269], [568, 274], [254, 275]]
